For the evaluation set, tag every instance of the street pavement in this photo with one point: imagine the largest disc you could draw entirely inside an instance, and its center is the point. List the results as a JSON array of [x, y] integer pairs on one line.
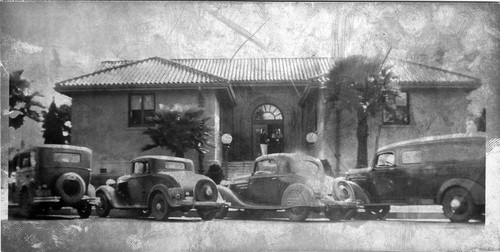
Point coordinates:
[[63, 230]]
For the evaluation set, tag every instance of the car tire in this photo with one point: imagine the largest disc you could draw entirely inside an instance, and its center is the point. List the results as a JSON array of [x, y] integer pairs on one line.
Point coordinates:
[[207, 215], [335, 214], [222, 213], [104, 208], [353, 213], [159, 207], [458, 205], [84, 211], [297, 213], [71, 187], [28, 209], [343, 191]]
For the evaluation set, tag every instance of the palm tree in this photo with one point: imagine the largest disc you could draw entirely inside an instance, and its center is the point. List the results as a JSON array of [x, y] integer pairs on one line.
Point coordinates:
[[179, 129], [21, 102], [360, 84]]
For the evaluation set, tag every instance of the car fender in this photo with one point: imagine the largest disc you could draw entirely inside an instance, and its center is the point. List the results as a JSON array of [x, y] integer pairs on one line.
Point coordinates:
[[109, 192], [359, 192], [476, 190], [164, 190], [231, 198], [298, 195]]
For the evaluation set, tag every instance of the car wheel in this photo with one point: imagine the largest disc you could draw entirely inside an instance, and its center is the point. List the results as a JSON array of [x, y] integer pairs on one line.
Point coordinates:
[[84, 211], [222, 213], [378, 212], [207, 215], [28, 210], [298, 213], [103, 209], [353, 213], [335, 214], [159, 207], [458, 205]]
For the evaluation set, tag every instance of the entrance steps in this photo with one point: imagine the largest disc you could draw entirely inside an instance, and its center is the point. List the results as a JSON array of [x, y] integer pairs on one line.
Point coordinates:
[[238, 168]]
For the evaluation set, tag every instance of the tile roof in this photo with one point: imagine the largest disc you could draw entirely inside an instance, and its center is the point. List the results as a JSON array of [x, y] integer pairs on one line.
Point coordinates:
[[149, 72], [262, 69], [162, 72], [416, 75]]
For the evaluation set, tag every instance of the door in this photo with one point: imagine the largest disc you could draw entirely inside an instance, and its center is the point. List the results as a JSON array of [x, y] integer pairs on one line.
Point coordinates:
[[137, 185], [389, 179], [265, 183], [268, 118]]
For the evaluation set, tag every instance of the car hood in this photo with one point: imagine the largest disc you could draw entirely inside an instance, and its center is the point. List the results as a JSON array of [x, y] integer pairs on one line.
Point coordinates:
[[358, 170]]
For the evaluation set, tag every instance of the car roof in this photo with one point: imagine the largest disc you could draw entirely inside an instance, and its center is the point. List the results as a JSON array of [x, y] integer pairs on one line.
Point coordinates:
[[288, 156], [434, 139], [161, 157], [56, 146]]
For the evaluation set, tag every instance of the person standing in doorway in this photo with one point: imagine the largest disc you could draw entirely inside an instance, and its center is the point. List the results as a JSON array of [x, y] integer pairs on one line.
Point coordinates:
[[264, 141]]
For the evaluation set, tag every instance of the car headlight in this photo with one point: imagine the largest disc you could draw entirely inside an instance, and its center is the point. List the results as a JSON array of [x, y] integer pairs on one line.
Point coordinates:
[[206, 191]]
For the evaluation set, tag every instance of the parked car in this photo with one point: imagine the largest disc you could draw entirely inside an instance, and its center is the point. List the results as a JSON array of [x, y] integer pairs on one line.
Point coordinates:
[[158, 185], [445, 170], [293, 182], [52, 176]]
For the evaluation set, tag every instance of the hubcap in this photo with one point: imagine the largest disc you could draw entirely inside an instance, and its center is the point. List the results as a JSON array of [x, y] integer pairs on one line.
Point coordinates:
[[455, 203], [158, 206]]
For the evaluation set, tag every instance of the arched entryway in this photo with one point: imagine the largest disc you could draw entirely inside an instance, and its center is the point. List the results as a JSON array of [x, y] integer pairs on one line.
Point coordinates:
[[268, 118]]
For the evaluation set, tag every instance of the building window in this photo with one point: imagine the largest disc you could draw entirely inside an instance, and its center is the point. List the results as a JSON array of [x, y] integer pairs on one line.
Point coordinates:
[[141, 107], [267, 112], [397, 111]]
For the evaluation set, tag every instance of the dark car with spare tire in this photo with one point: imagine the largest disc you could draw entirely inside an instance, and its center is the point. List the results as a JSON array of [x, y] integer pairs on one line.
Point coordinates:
[[292, 182], [51, 177], [446, 170], [159, 185]]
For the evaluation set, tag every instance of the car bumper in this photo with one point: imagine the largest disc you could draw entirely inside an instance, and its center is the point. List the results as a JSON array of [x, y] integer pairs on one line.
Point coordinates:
[[57, 199], [340, 204], [200, 204]]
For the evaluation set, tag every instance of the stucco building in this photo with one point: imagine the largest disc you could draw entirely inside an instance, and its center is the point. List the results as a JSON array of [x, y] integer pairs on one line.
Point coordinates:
[[284, 96]]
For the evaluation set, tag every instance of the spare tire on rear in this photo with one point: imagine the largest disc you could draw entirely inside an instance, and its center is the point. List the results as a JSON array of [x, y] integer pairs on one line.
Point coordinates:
[[71, 187]]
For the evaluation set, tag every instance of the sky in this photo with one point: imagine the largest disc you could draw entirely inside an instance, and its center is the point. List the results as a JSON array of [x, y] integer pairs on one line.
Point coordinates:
[[54, 41]]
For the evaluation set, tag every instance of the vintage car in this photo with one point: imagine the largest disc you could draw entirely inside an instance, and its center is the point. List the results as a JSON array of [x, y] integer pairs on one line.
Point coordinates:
[[159, 185], [52, 176], [445, 170], [289, 181]]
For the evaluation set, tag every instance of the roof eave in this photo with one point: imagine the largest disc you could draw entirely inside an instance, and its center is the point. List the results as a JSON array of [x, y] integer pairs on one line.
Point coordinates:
[[408, 86]]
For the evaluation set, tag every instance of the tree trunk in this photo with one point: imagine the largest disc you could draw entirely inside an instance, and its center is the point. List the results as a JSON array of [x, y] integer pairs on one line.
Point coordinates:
[[362, 136]]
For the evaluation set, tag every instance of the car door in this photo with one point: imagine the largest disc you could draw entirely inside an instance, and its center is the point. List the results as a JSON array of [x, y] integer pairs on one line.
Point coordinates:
[[389, 179], [264, 183], [138, 183]]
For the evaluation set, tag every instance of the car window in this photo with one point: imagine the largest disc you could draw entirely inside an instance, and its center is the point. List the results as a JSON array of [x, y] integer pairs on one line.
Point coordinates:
[[67, 157], [140, 168], [385, 159], [267, 167], [171, 165], [411, 157]]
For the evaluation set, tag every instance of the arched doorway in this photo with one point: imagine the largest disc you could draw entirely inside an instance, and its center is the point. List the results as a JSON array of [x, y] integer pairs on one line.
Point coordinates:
[[268, 118]]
